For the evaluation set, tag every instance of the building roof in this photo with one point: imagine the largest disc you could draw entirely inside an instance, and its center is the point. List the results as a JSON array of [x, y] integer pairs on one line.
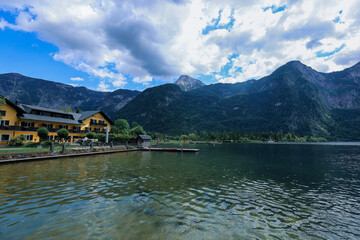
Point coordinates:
[[87, 114], [24, 112], [28, 108], [145, 137], [43, 118], [16, 107]]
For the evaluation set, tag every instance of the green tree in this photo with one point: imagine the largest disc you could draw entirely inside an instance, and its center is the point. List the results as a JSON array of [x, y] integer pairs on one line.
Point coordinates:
[[43, 133], [90, 135], [121, 127], [134, 124], [136, 131], [182, 137], [192, 136], [63, 133], [101, 137]]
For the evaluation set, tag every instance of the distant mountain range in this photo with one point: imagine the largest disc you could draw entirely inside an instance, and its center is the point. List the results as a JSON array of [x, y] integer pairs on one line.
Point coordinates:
[[44, 93], [294, 98]]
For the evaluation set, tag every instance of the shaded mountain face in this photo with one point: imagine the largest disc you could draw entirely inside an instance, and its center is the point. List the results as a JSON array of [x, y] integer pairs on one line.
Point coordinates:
[[337, 89], [55, 95], [188, 83], [294, 98]]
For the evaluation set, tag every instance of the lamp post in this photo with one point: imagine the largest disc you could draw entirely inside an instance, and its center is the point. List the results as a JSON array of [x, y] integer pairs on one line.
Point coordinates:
[[107, 135]]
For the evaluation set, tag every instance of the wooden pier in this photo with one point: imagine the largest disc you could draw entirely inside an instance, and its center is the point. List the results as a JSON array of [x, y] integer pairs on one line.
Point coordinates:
[[192, 150]]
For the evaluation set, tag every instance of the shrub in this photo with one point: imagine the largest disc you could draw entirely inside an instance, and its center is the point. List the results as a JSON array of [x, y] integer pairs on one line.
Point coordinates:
[[101, 137], [17, 141], [63, 133], [136, 131], [46, 143], [31, 144], [90, 135], [122, 138], [43, 133]]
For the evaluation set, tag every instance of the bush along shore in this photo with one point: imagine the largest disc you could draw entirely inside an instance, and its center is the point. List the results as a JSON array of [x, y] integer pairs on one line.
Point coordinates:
[[214, 137]]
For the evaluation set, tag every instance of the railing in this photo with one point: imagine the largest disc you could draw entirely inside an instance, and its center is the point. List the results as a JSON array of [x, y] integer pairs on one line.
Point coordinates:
[[34, 129], [98, 124]]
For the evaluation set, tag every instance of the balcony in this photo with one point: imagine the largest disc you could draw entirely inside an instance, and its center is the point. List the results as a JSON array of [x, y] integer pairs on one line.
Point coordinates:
[[98, 124], [34, 129]]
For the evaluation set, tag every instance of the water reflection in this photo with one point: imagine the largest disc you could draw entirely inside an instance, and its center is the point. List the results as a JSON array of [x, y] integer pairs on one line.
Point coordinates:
[[229, 191]]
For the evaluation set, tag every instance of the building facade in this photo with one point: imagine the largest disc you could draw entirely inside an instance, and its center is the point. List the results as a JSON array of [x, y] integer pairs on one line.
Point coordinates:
[[21, 119]]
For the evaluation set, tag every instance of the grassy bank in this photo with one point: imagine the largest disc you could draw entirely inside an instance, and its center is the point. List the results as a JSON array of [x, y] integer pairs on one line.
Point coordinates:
[[19, 149]]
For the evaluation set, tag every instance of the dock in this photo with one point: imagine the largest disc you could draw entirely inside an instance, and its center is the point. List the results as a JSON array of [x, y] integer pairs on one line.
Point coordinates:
[[192, 150]]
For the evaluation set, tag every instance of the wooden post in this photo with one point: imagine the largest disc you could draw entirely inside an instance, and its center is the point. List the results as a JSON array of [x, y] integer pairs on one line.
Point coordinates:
[[64, 147], [52, 147]]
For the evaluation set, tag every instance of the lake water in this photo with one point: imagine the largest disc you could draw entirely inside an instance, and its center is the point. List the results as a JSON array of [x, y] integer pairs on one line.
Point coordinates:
[[229, 191]]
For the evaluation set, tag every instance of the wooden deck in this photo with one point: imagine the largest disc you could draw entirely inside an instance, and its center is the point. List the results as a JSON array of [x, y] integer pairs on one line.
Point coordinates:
[[193, 150]]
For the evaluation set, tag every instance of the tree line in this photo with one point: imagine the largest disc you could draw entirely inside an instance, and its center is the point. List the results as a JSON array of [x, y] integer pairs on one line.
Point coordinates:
[[237, 137]]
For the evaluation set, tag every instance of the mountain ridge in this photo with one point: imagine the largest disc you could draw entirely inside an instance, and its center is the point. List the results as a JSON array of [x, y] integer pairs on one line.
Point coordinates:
[[294, 98], [188, 83], [45, 93]]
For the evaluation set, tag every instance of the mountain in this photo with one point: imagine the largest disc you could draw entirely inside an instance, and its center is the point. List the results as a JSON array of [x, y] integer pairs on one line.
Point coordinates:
[[44, 93], [294, 98], [188, 83]]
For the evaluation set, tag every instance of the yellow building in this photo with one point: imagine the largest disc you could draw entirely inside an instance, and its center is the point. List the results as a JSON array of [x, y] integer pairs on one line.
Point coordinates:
[[22, 119]]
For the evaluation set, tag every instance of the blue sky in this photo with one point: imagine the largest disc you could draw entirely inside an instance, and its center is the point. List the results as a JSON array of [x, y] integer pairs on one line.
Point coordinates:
[[132, 44]]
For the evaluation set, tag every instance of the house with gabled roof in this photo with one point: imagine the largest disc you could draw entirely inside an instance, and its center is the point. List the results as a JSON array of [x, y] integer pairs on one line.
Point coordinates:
[[23, 119]]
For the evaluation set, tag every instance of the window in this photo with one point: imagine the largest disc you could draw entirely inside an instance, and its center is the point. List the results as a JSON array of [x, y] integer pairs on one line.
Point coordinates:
[[51, 138], [92, 121], [27, 124], [47, 125], [87, 129], [2, 113], [4, 122], [96, 129], [76, 129], [5, 137], [29, 137], [63, 126]]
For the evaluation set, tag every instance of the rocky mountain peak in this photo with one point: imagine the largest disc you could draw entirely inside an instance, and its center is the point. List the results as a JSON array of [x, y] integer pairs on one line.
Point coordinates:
[[354, 71], [188, 83], [307, 72]]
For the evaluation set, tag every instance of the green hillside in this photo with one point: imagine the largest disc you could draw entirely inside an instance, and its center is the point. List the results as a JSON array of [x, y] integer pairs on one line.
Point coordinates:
[[289, 100]]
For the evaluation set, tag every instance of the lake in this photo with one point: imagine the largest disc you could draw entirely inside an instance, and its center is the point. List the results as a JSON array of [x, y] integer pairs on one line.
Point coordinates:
[[228, 191]]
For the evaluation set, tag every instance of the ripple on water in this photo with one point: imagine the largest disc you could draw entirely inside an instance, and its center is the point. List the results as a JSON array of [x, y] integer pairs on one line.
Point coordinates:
[[176, 197]]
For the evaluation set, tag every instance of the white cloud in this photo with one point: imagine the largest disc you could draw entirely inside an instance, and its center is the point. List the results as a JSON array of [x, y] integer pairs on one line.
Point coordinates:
[[79, 79], [163, 39], [225, 17], [144, 80], [104, 87]]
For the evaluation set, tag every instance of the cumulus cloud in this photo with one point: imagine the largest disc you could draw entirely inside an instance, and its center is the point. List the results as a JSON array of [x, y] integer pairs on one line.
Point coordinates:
[[163, 39], [78, 79], [144, 80]]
